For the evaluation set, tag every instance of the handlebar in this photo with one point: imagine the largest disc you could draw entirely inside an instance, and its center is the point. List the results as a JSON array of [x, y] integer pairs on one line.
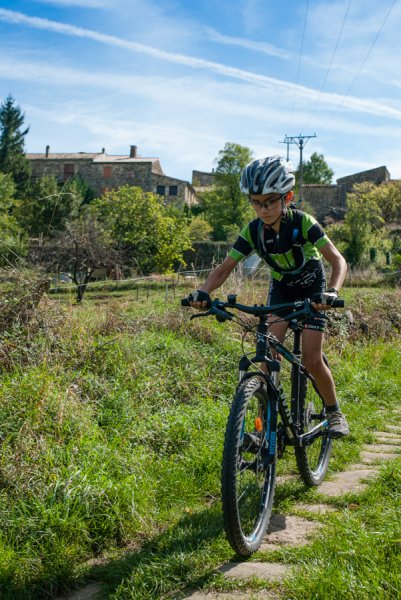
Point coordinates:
[[301, 308]]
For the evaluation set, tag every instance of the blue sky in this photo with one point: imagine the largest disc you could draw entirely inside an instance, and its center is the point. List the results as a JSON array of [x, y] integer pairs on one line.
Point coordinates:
[[180, 78]]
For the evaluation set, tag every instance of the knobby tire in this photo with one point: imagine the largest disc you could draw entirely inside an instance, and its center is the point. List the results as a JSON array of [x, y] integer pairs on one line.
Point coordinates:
[[313, 460], [248, 475]]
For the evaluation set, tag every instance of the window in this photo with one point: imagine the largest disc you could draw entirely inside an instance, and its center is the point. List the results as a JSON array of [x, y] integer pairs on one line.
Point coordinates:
[[107, 171], [173, 191], [161, 190], [69, 171]]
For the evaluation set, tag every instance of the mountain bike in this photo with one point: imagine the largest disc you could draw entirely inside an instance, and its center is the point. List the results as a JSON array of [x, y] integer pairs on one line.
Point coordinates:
[[262, 422]]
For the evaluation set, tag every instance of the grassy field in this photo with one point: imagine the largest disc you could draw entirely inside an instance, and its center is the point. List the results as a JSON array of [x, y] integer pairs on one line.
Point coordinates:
[[111, 425]]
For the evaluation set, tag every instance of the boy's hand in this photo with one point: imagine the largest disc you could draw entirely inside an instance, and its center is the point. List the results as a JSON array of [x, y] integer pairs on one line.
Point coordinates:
[[199, 299], [325, 300]]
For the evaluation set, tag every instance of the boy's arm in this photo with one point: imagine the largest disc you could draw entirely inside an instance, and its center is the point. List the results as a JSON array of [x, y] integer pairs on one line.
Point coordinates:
[[215, 279], [338, 271], [337, 263]]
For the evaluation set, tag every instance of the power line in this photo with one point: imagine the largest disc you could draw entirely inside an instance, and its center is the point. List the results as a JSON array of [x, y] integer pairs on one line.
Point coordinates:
[[363, 61], [287, 141], [299, 63], [330, 63], [299, 141]]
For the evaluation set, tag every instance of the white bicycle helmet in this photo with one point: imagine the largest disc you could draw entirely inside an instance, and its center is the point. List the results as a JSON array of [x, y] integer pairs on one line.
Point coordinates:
[[268, 175]]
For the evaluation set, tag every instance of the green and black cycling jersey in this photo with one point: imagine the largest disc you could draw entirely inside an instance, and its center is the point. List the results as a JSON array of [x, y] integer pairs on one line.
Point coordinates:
[[287, 251]]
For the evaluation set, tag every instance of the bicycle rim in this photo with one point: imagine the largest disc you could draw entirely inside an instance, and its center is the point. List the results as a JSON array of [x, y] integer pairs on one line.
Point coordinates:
[[248, 475], [312, 460]]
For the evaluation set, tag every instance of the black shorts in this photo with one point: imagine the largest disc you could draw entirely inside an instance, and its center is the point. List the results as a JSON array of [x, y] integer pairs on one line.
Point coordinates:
[[311, 281]]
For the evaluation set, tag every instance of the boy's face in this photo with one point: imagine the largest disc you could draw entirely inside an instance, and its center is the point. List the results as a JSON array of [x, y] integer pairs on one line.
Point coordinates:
[[269, 207]]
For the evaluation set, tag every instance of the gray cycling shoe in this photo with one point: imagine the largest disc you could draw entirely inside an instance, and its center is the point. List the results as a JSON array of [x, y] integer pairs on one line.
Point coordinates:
[[338, 426]]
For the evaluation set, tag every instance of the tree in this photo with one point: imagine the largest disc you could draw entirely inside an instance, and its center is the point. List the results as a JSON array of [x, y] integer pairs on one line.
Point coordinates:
[[12, 238], [388, 198], [363, 227], [152, 235], [84, 246], [48, 208], [316, 170], [225, 207], [12, 140], [199, 229]]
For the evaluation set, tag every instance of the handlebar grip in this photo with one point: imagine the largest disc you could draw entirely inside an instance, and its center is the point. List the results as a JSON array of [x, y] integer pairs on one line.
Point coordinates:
[[338, 303], [185, 302]]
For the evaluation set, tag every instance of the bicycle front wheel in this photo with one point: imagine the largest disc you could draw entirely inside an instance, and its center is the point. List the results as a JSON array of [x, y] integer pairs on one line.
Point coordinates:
[[249, 467], [313, 459]]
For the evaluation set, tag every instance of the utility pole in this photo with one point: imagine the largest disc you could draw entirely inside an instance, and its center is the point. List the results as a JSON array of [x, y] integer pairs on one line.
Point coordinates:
[[287, 141], [299, 141]]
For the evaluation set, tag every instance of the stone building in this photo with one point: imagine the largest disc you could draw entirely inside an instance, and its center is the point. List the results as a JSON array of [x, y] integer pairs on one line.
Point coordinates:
[[325, 199], [202, 179], [329, 200], [104, 172], [377, 176]]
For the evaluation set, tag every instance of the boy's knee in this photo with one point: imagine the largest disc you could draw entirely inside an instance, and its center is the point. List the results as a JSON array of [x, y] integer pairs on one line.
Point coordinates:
[[313, 362]]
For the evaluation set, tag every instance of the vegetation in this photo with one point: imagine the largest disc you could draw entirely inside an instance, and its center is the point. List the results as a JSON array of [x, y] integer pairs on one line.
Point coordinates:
[[151, 234], [316, 170], [12, 141], [111, 447], [366, 228], [225, 207]]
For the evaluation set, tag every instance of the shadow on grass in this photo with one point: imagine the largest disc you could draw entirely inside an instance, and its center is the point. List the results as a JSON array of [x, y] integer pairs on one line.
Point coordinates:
[[186, 555], [183, 555]]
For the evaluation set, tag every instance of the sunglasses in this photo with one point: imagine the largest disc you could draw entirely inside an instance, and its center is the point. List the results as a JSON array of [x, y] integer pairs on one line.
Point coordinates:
[[266, 204]]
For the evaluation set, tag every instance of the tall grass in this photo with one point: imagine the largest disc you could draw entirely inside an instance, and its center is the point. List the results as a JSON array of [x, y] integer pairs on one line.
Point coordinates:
[[111, 429]]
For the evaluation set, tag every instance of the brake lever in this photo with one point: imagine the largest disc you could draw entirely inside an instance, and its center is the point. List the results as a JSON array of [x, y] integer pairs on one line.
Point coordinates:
[[221, 315], [206, 314]]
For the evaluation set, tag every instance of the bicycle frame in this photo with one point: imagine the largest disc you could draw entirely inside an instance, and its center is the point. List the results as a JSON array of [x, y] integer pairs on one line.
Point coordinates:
[[264, 343]]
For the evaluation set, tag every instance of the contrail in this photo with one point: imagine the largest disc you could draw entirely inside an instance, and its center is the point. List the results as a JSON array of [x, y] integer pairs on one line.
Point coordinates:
[[352, 103]]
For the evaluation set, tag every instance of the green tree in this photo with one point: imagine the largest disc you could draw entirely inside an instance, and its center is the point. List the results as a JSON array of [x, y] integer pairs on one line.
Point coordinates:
[[12, 238], [316, 170], [225, 207], [388, 198], [153, 235], [12, 140], [48, 208], [363, 228], [199, 229]]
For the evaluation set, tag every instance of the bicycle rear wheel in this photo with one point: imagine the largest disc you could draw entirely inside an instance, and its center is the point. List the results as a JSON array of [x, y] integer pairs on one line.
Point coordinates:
[[312, 460], [248, 469]]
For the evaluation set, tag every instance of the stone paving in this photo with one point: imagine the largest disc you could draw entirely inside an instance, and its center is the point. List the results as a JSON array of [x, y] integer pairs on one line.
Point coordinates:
[[292, 530]]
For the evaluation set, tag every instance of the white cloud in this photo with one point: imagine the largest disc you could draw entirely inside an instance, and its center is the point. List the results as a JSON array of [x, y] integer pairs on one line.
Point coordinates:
[[349, 102], [263, 47], [83, 3]]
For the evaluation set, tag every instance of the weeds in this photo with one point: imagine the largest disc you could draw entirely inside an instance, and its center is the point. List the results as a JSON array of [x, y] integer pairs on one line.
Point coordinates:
[[111, 430]]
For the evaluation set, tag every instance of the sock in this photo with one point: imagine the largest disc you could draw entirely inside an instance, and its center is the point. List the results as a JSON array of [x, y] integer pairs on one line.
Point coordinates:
[[330, 409]]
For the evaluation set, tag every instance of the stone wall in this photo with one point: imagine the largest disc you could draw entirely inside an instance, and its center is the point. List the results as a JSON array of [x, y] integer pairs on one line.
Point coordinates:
[[376, 176], [206, 255], [202, 179], [323, 198]]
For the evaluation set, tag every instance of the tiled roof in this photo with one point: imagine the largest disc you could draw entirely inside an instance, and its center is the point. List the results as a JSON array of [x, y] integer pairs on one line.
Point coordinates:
[[97, 157], [63, 155], [105, 158]]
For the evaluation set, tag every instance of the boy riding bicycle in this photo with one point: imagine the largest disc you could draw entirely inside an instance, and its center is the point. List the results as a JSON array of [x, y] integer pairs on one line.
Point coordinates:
[[291, 242]]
